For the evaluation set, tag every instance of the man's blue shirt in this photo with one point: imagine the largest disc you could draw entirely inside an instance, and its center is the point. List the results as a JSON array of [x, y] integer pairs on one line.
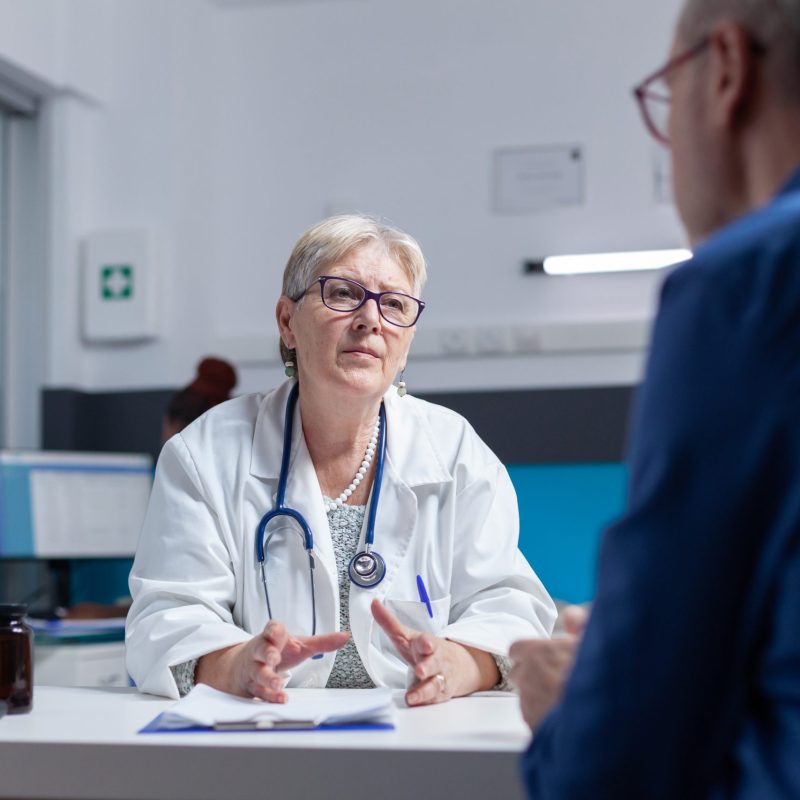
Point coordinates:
[[687, 682]]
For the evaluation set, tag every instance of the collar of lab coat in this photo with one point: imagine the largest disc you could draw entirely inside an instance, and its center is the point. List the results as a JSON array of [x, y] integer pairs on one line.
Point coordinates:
[[410, 448]]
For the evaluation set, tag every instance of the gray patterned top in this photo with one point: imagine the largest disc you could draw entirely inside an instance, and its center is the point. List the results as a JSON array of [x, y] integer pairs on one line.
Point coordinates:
[[345, 523]]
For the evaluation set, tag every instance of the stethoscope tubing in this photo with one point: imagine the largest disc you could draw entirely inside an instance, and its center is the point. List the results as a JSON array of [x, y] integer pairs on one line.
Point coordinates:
[[282, 510]]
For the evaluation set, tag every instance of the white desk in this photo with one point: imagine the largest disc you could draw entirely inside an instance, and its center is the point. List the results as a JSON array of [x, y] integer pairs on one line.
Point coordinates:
[[82, 743]]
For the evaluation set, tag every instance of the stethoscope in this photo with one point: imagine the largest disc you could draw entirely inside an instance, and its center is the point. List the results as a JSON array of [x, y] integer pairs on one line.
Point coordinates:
[[367, 568]]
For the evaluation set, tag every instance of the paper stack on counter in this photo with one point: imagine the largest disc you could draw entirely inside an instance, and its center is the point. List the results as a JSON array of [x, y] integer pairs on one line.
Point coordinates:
[[205, 708]]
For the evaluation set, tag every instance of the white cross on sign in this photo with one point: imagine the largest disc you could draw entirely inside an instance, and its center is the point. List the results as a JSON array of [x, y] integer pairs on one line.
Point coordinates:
[[116, 282]]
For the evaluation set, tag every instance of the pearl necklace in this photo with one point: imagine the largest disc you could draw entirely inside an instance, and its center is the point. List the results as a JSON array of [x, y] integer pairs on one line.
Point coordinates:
[[362, 470]]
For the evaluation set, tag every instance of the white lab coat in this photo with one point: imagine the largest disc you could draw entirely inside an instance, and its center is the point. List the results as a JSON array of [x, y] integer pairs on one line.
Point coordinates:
[[447, 512]]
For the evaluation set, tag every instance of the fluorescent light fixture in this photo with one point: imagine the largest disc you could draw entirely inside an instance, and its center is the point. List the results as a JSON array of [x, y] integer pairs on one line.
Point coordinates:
[[614, 262]]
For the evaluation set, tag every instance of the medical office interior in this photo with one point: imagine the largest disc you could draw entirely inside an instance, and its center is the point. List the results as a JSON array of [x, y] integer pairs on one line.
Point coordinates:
[[159, 159]]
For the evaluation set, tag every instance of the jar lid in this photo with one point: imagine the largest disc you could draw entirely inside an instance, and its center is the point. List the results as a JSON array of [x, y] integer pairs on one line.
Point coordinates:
[[13, 609]]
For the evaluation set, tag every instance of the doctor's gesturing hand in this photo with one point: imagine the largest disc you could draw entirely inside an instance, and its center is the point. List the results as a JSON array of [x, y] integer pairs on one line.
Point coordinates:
[[254, 668], [442, 669]]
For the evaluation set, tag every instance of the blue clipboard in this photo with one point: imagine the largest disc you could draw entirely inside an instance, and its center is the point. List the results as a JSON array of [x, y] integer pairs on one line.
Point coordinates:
[[287, 726]]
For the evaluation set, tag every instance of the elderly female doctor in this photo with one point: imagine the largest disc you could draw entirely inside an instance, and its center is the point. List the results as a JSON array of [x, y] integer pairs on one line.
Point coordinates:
[[392, 559]]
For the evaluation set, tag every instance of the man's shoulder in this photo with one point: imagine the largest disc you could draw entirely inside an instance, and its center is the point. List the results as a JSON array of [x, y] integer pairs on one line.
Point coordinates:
[[767, 237], [748, 271], [727, 326]]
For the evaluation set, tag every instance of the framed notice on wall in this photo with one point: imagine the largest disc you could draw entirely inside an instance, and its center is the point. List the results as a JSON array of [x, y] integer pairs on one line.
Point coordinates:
[[529, 180]]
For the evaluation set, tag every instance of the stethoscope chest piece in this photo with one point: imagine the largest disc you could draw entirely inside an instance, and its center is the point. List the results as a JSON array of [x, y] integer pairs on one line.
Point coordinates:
[[367, 569]]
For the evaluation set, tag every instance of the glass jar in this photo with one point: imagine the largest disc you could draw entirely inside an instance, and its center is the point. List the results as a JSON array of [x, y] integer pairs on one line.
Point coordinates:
[[16, 659]]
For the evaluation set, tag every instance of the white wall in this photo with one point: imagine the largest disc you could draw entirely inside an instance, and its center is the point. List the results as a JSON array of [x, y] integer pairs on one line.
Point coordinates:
[[29, 36], [64, 43], [397, 107], [226, 130], [145, 159]]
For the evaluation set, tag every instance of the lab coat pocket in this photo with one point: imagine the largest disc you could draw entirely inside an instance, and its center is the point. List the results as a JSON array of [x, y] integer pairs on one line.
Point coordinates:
[[415, 614]]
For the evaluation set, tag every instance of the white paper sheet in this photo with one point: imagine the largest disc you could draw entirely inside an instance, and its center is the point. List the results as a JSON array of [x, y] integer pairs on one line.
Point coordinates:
[[206, 707]]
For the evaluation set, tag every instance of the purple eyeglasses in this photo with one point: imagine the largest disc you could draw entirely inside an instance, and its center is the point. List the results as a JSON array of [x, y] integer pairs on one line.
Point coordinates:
[[346, 295]]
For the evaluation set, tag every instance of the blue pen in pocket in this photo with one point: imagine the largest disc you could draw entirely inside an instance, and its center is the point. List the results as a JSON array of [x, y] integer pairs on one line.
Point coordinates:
[[423, 595]]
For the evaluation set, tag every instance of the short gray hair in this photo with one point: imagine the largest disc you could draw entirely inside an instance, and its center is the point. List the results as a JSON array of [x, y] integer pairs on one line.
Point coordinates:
[[775, 24], [332, 239]]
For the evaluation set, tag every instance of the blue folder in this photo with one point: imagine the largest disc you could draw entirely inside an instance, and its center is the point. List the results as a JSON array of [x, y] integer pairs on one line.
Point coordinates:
[[154, 727]]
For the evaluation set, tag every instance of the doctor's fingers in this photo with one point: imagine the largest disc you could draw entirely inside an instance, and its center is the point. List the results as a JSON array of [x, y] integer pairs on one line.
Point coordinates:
[[426, 655], [299, 648], [264, 652], [388, 621], [435, 689], [275, 633], [265, 684], [400, 635]]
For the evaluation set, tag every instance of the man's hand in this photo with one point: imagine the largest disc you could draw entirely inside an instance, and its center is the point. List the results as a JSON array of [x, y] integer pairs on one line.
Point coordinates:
[[541, 666]]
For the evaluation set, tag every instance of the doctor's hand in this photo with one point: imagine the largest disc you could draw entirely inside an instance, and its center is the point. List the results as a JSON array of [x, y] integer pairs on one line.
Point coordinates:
[[442, 669], [542, 666], [254, 668]]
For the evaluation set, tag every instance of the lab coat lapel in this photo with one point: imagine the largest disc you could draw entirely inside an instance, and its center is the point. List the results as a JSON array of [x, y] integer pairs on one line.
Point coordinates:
[[395, 523], [302, 493]]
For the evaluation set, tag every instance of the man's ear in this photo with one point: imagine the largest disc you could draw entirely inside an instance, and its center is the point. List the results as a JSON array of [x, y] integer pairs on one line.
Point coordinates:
[[732, 71], [284, 312]]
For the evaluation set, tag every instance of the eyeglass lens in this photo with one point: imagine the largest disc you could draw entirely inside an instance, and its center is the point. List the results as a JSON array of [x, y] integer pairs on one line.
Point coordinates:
[[344, 295], [656, 100]]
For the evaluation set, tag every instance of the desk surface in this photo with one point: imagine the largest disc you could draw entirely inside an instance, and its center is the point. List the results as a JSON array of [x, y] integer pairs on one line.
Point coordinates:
[[83, 743]]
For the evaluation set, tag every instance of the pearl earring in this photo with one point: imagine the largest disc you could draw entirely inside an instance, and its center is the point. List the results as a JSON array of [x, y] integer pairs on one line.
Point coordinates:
[[290, 370], [401, 384]]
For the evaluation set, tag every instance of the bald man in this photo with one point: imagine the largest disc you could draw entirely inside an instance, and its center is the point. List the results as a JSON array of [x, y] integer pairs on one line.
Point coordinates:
[[687, 681]]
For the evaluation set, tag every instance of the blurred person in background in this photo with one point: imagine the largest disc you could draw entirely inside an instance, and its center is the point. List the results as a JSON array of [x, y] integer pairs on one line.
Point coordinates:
[[213, 384]]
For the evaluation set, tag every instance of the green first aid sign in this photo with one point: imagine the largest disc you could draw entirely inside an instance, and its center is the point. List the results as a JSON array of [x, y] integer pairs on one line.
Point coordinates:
[[116, 282]]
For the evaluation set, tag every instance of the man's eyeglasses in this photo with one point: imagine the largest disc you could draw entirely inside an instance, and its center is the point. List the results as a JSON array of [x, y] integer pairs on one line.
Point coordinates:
[[343, 294], [653, 95]]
